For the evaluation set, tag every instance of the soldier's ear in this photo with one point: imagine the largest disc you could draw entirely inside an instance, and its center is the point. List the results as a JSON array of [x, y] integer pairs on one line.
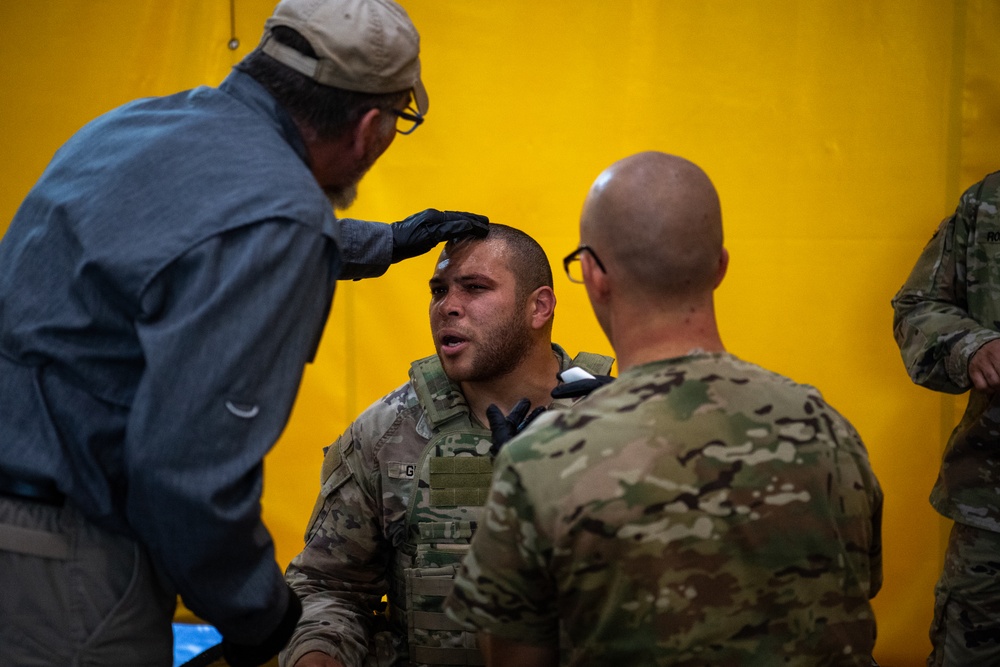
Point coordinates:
[[595, 280], [541, 306], [720, 272]]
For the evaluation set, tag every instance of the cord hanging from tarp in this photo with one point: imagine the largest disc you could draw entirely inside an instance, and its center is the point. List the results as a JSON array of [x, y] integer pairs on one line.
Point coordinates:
[[234, 42]]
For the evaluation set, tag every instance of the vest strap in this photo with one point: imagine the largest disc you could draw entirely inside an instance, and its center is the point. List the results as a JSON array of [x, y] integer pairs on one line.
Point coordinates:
[[598, 364], [446, 530], [459, 480], [436, 586], [433, 620]]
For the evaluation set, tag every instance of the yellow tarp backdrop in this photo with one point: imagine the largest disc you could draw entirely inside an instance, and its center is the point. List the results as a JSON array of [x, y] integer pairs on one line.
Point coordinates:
[[838, 135]]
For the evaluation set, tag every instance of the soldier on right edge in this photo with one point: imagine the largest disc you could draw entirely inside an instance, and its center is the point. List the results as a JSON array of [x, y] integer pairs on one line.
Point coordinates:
[[947, 325]]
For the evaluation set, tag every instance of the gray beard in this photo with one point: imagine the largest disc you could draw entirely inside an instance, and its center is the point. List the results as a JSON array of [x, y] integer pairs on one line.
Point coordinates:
[[342, 198]]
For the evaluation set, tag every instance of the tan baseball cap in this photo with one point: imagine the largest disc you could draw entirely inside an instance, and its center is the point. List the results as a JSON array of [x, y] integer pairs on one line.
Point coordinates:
[[368, 46]]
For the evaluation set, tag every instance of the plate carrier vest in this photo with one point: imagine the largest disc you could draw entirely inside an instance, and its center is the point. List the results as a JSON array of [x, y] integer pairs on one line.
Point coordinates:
[[453, 478]]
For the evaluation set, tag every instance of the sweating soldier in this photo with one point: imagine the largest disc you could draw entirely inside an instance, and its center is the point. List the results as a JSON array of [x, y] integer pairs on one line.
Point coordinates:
[[700, 509], [403, 487], [947, 325]]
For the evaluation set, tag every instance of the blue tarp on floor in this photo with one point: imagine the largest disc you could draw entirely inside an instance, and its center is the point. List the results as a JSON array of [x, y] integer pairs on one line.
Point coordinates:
[[191, 640]]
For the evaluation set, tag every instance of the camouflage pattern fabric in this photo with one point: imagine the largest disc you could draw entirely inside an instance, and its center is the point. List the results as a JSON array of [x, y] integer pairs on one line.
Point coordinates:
[[402, 491], [947, 309], [696, 511], [967, 601]]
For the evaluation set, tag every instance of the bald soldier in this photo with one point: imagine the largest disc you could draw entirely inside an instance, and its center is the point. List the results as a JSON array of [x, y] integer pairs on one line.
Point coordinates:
[[700, 509]]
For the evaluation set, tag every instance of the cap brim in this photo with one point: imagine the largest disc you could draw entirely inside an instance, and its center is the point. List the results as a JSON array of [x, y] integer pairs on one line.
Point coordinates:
[[420, 97]]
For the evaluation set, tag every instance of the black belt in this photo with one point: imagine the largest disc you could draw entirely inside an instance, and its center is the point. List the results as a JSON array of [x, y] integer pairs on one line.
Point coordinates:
[[41, 491]]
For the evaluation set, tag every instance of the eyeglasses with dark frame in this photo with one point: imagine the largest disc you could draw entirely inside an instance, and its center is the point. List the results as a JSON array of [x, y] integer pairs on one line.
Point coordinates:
[[410, 115], [571, 260]]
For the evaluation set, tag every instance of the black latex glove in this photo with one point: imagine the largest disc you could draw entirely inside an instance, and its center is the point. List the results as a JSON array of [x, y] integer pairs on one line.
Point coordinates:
[[579, 388], [246, 655], [504, 428], [422, 231]]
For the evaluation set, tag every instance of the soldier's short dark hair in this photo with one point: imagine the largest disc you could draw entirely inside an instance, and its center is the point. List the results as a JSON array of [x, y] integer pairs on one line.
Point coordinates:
[[328, 110], [526, 258]]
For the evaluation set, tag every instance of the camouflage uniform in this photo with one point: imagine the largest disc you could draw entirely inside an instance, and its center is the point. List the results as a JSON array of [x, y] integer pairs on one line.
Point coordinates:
[[401, 492], [696, 511], [947, 309]]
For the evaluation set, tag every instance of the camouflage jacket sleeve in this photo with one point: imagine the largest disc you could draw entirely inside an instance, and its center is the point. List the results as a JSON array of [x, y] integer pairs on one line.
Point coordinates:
[[340, 575], [936, 324], [512, 556]]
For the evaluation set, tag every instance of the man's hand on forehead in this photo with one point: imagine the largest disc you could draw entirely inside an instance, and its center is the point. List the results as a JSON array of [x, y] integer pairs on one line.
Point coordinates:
[[422, 231]]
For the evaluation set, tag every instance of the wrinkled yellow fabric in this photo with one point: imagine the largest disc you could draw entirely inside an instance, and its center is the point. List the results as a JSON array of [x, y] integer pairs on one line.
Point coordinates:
[[838, 134]]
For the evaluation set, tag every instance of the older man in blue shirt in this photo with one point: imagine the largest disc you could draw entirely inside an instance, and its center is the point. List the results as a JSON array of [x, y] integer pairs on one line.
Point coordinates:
[[161, 288]]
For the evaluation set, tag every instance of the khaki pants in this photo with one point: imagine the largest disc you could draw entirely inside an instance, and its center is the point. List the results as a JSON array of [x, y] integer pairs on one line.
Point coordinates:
[[966, 626], [75, 595]]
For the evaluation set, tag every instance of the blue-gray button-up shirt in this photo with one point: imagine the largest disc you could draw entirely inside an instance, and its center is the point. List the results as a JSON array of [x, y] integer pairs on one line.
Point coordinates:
[[161, 288]]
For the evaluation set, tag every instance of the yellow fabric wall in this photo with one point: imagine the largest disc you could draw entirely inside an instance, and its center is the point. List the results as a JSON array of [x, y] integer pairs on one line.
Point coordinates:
[[838, 135]]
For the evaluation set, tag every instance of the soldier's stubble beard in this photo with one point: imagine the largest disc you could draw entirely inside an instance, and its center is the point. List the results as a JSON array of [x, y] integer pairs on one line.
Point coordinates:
[[501, 349]]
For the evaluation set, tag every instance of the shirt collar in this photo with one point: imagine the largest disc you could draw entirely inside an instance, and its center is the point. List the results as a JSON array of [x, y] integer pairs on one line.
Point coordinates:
[[245, 89]]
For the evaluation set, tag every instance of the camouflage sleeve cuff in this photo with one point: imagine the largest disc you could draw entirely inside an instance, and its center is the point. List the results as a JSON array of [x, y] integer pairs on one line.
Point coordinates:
[[961, 353]]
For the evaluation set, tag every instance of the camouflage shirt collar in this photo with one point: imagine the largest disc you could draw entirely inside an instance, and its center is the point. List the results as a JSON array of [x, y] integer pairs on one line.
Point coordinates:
[[441, 398]]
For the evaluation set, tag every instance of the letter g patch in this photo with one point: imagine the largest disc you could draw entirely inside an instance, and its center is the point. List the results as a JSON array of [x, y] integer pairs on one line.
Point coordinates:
[[398, 470]]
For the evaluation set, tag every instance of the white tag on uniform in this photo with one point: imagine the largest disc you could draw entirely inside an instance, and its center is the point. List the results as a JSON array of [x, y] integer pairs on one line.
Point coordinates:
[[575, 373]]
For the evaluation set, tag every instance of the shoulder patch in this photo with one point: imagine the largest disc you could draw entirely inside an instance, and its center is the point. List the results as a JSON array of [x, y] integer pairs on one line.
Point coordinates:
[[399, 470], [331, 462]]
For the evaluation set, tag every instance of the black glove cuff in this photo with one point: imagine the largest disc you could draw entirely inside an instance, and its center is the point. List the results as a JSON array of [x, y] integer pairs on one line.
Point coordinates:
[[243, 655]]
